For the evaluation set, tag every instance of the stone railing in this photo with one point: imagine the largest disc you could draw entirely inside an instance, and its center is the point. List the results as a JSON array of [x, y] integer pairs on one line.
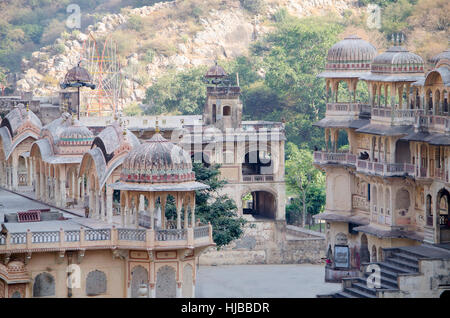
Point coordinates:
[[441, 174], [171, 235], [400, 116], [132, 234], [201, 231], [347, 109], [385, 169], [321, 157], [360, 203], [106, 238], [257, 178]]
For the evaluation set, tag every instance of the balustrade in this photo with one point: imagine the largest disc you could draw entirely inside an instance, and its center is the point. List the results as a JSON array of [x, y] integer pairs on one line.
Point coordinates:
[[72, 238], [45, 237], [132, 234], [171, 235]]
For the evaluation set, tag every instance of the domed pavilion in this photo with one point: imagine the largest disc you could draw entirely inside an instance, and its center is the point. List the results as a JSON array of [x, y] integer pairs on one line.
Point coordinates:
[[154, 171]]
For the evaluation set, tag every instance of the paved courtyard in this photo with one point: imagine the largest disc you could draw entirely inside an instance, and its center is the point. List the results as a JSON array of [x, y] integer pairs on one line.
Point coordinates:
[[265, 281]]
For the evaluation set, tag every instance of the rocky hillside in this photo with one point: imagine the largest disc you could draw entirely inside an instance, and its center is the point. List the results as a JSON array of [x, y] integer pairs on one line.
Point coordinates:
[[152, 39]]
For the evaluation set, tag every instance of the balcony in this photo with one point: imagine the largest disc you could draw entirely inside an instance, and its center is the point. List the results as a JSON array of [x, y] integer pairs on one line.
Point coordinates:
[[399, 116], [346, 109], [344, 158], [441, 174], [360, 203], [434, 122], [123, 238], [258, 178], [385, 169]]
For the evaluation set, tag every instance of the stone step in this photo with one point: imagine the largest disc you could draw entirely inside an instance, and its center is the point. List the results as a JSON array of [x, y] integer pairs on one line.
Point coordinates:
[[393, 268], [344, 294], [363, 287], [403, 264], [359, 293], [414, 259], [384, 285], [388, 278]]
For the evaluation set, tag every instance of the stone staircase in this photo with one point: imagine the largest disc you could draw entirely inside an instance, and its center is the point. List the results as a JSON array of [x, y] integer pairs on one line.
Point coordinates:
[[396, 261]]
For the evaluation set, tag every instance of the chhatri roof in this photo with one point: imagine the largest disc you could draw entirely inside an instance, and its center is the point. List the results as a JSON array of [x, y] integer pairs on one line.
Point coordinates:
[[18, 117], [108, 151], [18, 125], [395, 65], [157, 165], [157, 161], [349, 58], [443, 55], [63, 140]]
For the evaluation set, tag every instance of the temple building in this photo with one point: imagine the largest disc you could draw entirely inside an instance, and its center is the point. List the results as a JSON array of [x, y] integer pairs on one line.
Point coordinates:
[[388, 194], [56, 254], [120, 193]]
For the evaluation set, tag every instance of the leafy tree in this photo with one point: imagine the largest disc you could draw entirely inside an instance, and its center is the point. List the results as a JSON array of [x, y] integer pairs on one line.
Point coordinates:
[[178, 92], [132, 110], [304, 180], [220, 210]]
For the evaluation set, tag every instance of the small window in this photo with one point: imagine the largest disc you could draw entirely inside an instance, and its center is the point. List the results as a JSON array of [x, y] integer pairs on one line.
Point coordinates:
[[226, 111]]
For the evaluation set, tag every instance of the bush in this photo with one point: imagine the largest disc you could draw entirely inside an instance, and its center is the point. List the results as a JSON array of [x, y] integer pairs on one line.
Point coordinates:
[[135, 23], [253, 6]]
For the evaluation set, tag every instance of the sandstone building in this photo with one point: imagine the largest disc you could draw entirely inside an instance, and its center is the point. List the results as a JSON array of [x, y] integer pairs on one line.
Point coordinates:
[[111, 179], [388, 194]]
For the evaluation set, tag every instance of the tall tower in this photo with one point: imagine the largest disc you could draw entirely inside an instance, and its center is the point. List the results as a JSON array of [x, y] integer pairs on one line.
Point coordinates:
[[223, 107]]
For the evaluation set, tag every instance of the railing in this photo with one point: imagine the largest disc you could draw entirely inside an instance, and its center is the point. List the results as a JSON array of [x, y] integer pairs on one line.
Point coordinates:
[[98, 235], [72, 236], [201, 231], [347, 108], [360, 202], [385, 169], [441, 174], [421, 172], [108, 238], [257, 178], [18, 238], [330, 157], [131, 235], [45, 237], [171, 235]]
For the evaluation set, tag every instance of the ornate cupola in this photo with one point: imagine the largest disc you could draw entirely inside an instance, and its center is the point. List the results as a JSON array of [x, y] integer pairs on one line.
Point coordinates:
[[75, 138], [347, 60], [157, 161], [223, 108]]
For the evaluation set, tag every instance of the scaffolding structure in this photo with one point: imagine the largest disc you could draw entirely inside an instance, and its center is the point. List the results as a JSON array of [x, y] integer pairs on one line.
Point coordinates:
[[100, 58]]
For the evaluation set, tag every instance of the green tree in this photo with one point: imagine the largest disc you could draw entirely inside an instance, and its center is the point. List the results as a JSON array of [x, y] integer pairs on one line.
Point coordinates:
[[178, 92], [220, 210], [305, 181]]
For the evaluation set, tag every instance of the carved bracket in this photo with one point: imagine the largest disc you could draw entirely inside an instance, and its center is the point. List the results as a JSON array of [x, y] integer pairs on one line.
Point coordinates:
[[122, 254], [60, 256], [27, 258]]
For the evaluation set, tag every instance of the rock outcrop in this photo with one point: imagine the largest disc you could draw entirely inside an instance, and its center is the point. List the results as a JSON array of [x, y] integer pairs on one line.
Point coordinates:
[[225, 33]]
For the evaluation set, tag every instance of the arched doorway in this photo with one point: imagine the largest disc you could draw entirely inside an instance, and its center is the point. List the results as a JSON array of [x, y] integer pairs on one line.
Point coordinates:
[[166, 285], [443, 209], [139, 275], [260, 204], [364, 253]]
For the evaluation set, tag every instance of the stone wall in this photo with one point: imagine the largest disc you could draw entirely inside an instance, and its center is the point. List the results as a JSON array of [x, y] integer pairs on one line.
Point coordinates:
[[265, 242]]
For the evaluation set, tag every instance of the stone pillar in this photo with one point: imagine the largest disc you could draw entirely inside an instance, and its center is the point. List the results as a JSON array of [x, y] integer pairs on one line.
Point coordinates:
[[163, 211], [179, 292], [62, 176], [15, 171], [192, 202], [137, 208], [151, 206], [102, 206], [178, 206], [186, 214], [97, 205], [109, 204]]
